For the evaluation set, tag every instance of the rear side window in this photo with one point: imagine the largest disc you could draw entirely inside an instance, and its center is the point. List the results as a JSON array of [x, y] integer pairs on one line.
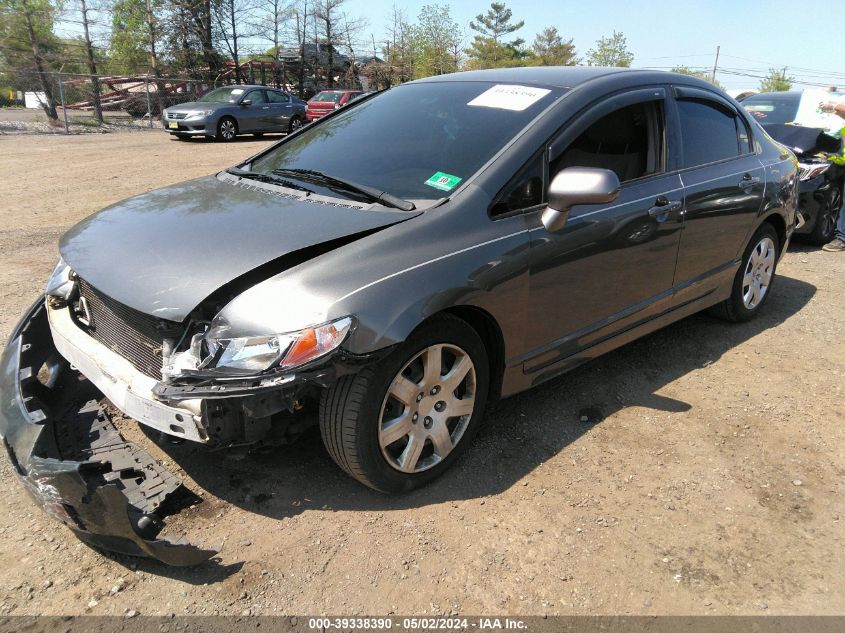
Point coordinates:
[[277, 97], [709, 133]]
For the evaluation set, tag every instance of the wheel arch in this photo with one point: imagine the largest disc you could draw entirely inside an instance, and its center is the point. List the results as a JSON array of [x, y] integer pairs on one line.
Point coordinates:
[[779, 224], [488, 329]]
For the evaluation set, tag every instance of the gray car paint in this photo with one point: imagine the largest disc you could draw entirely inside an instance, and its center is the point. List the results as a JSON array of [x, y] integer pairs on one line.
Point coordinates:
[[259, 117], [165, 251], [454, 255]]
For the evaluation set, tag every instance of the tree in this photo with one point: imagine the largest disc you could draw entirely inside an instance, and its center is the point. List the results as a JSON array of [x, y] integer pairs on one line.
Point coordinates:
[[550, 49], [230, 15], [776, 81], [610, 51], [92, 65], [326, 16], [701, 74], [488, 48], [271, 25], [436, 39], [30, 47]]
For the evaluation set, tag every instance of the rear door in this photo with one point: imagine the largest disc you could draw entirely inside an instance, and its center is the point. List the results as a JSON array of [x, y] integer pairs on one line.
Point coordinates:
[[723, 183], [612, 266], [281, 110]]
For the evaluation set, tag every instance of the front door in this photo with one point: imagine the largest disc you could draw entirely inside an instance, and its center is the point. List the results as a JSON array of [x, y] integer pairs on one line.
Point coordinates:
[[612, 265], [252, 117]]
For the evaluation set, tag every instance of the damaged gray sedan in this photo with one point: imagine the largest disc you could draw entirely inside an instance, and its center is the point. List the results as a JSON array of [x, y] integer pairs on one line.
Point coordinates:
[[394, 266]]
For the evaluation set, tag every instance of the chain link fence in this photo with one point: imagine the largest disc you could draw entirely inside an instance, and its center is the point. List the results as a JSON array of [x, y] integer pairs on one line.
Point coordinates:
[[129, 100]]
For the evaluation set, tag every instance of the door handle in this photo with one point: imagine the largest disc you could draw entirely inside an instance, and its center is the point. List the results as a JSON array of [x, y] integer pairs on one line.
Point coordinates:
[[663, 207], [748, 181]]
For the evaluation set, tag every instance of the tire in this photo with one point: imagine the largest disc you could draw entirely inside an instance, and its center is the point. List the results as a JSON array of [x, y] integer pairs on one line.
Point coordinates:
[[227, 129], [294, 124], [742, 306], [354, 409], [829, 210]]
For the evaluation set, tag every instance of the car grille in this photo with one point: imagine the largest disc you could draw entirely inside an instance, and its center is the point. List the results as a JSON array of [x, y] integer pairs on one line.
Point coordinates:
[[177, 116], [133, 335]]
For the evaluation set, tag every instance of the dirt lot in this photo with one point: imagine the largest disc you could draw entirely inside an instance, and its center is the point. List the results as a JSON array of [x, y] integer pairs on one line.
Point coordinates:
[[713, 484]]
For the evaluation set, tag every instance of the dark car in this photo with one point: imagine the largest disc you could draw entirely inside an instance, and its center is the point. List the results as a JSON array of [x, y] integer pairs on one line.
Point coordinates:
[[328, 100], [395, 266], [822, 181], [223, 113]]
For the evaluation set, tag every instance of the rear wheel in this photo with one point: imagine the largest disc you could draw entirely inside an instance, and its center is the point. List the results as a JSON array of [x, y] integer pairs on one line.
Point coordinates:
[[753, 282], [227, 129], [398, 425], [294, 125], [829, 210]]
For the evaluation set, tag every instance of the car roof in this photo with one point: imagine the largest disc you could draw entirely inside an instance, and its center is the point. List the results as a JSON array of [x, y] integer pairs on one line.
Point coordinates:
[[553, 76]]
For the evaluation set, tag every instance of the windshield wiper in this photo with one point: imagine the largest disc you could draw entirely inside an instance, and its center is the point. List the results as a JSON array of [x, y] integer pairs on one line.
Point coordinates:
[[374, 194], [252, 175]]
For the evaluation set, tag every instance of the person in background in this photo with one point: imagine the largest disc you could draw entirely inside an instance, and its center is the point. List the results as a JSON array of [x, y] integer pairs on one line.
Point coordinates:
[[837, 245]]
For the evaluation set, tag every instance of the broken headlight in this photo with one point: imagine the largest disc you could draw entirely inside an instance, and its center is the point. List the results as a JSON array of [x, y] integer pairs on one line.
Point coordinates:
[[61, 281], [254, 354]]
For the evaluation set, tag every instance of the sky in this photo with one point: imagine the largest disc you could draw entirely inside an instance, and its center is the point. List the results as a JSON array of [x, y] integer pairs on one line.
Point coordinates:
[[808, 38]]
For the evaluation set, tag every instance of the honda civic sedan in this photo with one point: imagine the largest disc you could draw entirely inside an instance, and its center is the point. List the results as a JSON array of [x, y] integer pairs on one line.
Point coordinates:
[[226, 112], [394, 267]]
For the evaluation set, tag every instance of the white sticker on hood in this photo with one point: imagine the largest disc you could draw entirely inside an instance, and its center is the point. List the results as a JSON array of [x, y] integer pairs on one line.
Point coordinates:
[[508, 97]]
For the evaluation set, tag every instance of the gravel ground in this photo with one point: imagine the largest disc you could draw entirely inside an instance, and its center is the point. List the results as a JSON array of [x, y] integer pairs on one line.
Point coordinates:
[[707, 478]]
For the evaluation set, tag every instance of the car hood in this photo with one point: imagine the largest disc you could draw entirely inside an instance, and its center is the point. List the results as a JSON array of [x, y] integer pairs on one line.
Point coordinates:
[[804, 141], [165, 251]]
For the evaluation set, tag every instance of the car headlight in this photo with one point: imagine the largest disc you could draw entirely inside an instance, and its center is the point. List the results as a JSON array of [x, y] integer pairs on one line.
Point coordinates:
[[198, 113], [254, 354], [61, 282]]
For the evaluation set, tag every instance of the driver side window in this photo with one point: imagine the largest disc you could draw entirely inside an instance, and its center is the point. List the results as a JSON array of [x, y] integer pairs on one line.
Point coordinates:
[[628, 141], [257, 96]]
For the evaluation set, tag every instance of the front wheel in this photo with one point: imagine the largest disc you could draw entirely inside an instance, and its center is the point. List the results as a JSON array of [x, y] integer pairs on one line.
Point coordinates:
[[397, 426], [753, 282], [227, 129]]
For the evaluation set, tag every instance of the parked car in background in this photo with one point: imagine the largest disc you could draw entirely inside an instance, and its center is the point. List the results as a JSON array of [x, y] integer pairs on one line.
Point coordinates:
[[324, 102], [821, 181], [394, 266], [226, 112]]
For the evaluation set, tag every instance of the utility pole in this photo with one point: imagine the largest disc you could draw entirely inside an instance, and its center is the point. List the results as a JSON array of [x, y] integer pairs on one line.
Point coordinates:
[[715, 65]]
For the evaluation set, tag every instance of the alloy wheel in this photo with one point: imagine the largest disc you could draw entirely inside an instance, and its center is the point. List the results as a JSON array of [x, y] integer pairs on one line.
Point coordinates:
[[227, 129], [758, 273], [295, 124], [427, 408], [830, 215]]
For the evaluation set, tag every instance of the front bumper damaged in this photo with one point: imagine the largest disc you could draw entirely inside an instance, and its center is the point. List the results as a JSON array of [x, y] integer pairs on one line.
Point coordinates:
[[74, 462]]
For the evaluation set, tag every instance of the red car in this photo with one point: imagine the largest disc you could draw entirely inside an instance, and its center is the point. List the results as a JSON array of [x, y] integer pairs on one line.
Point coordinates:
[[324, 102]]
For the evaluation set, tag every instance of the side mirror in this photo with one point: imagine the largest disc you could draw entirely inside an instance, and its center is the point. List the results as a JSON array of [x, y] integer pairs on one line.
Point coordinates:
[[246, 102], [577, 185]]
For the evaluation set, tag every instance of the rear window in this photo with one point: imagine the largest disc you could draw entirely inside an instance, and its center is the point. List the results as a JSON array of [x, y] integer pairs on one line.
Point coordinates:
[[773, 108], [329, 97]]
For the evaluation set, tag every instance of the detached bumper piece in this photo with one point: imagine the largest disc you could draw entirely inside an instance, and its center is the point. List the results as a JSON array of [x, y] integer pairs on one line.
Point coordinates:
[[74, 462]]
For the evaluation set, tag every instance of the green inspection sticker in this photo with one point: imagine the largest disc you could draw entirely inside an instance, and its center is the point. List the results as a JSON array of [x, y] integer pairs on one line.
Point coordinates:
[[444, 182]]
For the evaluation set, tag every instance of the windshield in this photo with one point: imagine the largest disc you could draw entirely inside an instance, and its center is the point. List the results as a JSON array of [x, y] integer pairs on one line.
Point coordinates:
[[773, 108], [231, 94], [332, 97], [416, 141]]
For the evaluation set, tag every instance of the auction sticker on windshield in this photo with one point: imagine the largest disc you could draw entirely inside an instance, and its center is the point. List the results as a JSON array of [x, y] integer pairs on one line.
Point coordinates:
[[444, 182], [508, 97]]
